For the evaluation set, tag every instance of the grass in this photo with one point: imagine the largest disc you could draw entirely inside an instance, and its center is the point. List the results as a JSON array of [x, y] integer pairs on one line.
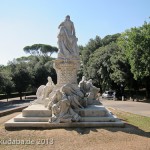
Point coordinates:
[[141, 122]]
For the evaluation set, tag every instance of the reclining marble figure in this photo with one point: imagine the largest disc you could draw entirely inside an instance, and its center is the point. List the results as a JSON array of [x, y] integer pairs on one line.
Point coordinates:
[[67, 100]]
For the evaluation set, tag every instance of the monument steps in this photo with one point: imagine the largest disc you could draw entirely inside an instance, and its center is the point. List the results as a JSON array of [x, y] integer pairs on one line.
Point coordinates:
[[12, 124], [93, 111], [37, 110], [38, 116], [21, 118]]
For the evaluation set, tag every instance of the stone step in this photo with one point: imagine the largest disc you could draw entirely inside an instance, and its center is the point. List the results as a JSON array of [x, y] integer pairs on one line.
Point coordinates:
[[12, 124], [36, 110], [21, 118], [93, 111], [97, 119]]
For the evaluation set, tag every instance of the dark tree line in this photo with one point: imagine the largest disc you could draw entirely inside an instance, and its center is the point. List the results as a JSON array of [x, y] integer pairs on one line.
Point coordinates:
[[28, 73]]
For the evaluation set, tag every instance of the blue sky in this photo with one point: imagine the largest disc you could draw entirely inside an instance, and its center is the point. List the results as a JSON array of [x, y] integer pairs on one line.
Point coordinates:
[[30, 22]]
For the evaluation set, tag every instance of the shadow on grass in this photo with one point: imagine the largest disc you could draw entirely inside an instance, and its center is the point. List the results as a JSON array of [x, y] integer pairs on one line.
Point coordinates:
[[129, 129], [82, 130]]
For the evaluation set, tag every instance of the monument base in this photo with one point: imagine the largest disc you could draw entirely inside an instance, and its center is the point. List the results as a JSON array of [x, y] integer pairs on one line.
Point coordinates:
[[37, 116]]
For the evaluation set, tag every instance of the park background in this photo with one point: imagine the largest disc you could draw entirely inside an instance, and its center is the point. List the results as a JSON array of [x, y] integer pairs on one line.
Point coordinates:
[[113, 37]]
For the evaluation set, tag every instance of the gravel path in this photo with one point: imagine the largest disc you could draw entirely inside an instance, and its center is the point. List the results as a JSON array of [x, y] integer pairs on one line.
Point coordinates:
[[128, 138], [13, 103]]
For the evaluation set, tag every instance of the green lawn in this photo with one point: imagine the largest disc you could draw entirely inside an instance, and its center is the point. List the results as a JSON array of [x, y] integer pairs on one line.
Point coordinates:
[[141, 122]]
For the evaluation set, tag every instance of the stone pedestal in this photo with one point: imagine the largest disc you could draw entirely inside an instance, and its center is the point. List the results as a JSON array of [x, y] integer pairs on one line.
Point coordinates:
[[92, 116], [66, 71]]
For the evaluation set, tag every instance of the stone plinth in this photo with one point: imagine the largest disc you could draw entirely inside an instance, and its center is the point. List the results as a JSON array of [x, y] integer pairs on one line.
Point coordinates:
[[38, 116], [66, 71], [93, 111], [36, 111]]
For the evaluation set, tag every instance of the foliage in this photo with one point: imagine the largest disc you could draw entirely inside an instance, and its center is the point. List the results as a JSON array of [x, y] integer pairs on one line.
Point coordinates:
[[40, 49], [110, 38], [136, 43], [99, 68], [6, 81], [99, 62], [21, 78]]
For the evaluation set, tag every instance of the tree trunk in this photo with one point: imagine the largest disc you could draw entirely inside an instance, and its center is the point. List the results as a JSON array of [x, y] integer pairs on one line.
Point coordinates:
[[147, 92], [147, 86], [20, 95], [101, 91], [7, 98]]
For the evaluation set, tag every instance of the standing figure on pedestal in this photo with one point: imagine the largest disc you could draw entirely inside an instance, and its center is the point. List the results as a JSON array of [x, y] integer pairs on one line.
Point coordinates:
[[67, 41]]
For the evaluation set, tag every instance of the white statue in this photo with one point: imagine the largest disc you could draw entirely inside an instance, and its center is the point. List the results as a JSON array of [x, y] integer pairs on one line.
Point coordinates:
[[44, 90], [92, 93], [63, 104], [89, 90], [82, 85], [67, 41]]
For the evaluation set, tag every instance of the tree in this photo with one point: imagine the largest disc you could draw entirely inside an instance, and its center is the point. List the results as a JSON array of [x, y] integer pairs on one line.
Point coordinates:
[[6, 81], [110, 38], [96, 58], [1, 82], [136, 43], [40, 49], [94, 44], [7, 86], [89, 49], [21, 78], [99, 66]]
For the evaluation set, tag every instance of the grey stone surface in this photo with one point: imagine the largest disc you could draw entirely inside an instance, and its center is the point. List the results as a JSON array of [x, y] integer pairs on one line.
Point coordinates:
[[12, 124], [97, 119], [21, 118], [93, 111], [90, 121], [36, 111]]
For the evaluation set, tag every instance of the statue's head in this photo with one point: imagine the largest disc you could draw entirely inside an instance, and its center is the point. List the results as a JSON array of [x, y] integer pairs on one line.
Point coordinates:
[[83, 78], [58, 94], [49, 79], [90, 81], [67, 17], [66, 89]]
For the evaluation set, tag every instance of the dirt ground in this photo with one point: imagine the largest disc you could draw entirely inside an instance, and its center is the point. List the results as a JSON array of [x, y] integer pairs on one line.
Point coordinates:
[[128, 138]]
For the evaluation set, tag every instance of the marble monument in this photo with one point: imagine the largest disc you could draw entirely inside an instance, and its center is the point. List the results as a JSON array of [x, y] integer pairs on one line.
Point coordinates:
[[66, 104]]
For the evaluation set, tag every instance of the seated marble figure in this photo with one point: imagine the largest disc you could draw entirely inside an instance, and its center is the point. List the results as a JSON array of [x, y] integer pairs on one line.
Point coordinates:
[[44, 91]]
